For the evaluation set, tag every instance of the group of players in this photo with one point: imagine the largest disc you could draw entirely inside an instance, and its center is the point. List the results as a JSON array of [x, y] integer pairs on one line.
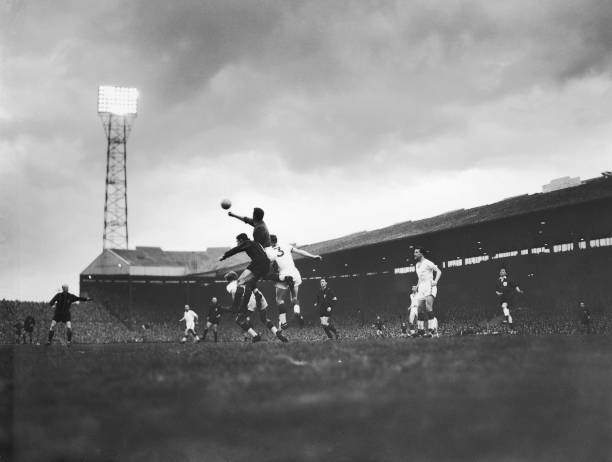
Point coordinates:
[[273, 261]]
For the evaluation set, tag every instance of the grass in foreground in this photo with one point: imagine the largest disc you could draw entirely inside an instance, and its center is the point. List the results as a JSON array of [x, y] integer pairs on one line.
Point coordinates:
[[454, 398]]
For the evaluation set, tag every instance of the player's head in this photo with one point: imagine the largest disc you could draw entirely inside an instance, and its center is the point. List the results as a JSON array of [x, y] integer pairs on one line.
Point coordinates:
[[186, 307], [503, 272], [213, 300], [323, 283], [273, 239], [378, 317], [241, 238], [258, 214], [414, 289], [419, 253], [231, 276], [64, 287], [581, 304]]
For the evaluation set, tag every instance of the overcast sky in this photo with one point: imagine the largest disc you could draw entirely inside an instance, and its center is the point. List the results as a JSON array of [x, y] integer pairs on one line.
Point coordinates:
[[333, 116]]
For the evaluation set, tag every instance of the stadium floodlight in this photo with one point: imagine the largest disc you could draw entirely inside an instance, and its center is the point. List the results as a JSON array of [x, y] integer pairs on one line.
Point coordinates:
[[117, 107], [117, 100]]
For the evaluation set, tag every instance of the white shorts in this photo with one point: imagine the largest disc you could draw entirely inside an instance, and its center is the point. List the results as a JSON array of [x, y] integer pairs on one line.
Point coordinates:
[[427, 291], [294, 273], [252, 305]]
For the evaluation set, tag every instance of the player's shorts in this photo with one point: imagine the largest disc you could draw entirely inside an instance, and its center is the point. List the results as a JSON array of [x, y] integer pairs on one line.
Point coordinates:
[[61, 316], [259, 268], [323, 312], [252, 305], [213, 320], [426, 291], [295, 274], [505, 299]]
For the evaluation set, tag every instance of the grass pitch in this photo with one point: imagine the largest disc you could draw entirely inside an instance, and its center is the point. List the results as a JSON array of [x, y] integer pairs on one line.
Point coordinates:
[[478, 398]]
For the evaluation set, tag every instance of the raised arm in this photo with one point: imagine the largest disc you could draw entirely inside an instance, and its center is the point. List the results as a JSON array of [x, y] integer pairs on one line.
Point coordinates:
[[247, 220], [306, 254], [239, 248]]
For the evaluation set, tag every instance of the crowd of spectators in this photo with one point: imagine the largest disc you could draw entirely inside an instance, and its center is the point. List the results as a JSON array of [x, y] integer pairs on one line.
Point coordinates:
[[94, 323]]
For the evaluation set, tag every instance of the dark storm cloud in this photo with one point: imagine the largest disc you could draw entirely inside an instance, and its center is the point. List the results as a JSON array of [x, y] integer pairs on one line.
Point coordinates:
[[317, 83]]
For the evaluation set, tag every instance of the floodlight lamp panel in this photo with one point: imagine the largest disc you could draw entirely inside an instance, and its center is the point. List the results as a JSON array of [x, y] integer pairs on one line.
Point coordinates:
[[117, 100]]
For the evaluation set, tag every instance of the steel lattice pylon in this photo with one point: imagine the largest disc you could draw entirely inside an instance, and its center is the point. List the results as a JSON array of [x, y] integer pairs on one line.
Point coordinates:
[[117, 128]]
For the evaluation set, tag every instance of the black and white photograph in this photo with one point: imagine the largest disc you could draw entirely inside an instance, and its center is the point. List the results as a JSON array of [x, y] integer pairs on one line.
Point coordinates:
[[305, 230]]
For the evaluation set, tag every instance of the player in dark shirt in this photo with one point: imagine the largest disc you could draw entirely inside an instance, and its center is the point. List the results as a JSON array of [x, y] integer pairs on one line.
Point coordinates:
[[585, 317], [260, 229], [326, 300], [213, 318], [28, 327], [19, 333], [505, 290], [62, 302], [247, 281], [404, 329], [379, 326]]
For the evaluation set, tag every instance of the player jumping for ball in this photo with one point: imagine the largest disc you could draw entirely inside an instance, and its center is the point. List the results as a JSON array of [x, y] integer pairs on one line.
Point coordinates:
[[256, 270], [427, 289], [505, 290], [256, 302], [190, 317], [326, 300], [62, 302], [262, 236], [288, 277]]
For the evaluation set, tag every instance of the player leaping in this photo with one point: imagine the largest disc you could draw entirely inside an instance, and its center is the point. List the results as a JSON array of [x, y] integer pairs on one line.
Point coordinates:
[[247, 281], [256, 302], [288, 277]]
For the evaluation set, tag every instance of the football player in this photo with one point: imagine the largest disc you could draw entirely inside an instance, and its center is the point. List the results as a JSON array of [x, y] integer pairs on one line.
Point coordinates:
[[256, 302], [288, 278], [28, 327], [190, 317], [427, 289], [247, 282], [326, 300], [505, 290], [62, 302], [213, 318]]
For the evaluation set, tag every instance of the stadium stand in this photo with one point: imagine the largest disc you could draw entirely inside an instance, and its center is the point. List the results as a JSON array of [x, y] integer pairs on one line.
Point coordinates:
[[558, 245]]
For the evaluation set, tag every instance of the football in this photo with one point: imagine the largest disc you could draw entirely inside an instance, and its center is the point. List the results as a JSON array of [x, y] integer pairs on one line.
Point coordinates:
[[226, 204]]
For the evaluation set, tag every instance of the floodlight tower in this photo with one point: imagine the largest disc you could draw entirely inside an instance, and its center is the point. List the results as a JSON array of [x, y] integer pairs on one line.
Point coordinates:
[[117, 107]]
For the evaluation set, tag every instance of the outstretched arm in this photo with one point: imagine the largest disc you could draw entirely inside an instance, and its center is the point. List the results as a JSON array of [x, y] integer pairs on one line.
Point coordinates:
[[247, 220], [305, 253], [239, 248]]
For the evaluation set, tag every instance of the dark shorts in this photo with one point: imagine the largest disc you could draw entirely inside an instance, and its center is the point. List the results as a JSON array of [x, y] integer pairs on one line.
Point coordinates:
[[61, 317], [504, 299], [259, 269], [213, 320], [323, 311]]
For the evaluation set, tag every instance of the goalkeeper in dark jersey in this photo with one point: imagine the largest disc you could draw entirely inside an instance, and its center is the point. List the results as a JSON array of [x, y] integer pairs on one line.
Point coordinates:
[[62, 302]]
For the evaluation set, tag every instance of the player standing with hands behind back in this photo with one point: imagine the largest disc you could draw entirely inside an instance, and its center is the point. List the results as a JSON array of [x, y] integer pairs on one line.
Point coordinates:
[[326, 300]]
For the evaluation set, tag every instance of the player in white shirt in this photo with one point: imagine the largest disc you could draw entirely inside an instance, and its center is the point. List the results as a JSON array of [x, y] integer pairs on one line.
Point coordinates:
[[289, 277], [427, 289], [413, 311], [190, 317], [256, 302]]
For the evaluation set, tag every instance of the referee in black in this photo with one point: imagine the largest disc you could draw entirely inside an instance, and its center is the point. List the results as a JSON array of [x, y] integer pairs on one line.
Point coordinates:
[[62, 302]]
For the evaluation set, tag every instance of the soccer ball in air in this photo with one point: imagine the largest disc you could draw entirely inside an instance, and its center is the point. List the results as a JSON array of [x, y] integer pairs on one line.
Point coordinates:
[[226, 204]]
